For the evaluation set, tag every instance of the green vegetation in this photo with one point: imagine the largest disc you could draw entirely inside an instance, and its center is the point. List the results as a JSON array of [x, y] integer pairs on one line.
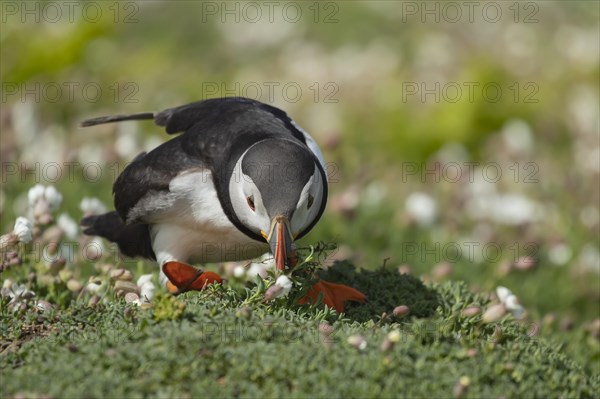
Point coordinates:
[[216, 347], [461, 194]]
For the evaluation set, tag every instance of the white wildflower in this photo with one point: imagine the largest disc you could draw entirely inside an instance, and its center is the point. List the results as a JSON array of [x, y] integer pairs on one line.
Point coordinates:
[[510, 301], [285, 283], [44, 199], [94, 286], [589, 258], [147, 288], [509, 209], [92, 206], [35, 193], [53, 197], [261, 266], [512, 305], [502, 293], [144, 278], [560, 254], [18, 294], [518, 137], [421, 208], [281, 288], [358, 342], [68, 225], [239, 271], [23, 229], [147, 291]]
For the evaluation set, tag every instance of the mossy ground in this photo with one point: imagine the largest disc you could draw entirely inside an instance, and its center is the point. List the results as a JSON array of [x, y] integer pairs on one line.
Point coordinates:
[[221, 343]]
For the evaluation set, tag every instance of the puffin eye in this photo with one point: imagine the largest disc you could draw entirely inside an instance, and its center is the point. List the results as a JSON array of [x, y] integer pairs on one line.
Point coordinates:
[[250, 200], [311, 199]]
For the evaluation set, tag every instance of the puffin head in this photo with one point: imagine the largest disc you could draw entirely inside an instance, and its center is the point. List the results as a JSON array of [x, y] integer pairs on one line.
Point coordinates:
[[278, 191]]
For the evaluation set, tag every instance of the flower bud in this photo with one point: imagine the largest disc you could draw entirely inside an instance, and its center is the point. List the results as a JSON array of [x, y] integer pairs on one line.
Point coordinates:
[[120, 274], [74, 285], [132, 297], [401, 311], [94, 300], [394, 336], [471, 311], [326, 329], [525, 263], [404, 269], [494, 313], [44, 306]]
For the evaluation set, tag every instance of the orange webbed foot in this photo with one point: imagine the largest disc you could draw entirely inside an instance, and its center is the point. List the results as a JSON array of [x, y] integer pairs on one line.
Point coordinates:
[[334, 295], [184, 277]]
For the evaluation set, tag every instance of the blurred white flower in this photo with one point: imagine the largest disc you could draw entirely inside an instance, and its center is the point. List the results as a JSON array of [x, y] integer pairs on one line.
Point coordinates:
[[560, 254], [18, 294], [23, 229], [374, 194], [147, 288], [582, 110], [94, 287], [421, 208], [49, 194], [92, 206], [358, 342], [239, 271], [68, 225], [127, 144], [578, 45], [510, 301], [261, 266], [452, 152], [53, 197], [35, 193], [259, 33], [589, 258], [517, 136], [510, 209], [502, 293], [285, 283], [144, 278], [281, 288], [513, 306]]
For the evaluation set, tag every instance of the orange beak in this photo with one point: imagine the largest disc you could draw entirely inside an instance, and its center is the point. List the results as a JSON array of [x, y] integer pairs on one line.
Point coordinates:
[[280, 239]]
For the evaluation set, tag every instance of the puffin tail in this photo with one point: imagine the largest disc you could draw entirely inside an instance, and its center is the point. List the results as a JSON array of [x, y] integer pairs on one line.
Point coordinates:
[[117, 118], [133, 239]]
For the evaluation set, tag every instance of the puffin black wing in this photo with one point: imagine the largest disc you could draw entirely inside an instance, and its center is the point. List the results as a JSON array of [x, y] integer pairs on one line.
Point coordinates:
[[149, 175], [215, 133]]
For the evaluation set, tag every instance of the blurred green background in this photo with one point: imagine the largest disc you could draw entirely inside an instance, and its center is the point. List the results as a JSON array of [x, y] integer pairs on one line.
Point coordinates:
[[461, 138]]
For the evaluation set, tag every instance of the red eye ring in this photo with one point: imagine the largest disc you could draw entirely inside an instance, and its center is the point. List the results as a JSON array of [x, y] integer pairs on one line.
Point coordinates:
[[250, 200]]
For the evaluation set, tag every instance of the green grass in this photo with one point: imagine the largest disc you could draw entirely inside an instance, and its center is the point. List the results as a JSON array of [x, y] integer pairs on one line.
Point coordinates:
[[229, 342]]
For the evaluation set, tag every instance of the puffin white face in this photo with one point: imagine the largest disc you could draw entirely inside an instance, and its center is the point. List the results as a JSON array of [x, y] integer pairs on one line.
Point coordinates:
[[249, 207], [277, 192]]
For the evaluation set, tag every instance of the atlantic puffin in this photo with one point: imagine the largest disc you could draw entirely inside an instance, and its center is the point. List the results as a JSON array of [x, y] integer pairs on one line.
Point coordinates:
[[241, 179]]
